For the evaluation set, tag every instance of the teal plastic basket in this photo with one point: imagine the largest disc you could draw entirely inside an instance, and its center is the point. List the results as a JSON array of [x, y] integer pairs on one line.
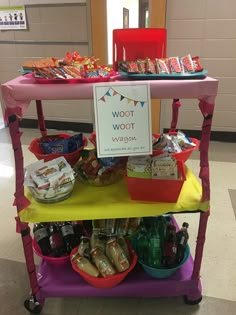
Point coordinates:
[[163, 273]]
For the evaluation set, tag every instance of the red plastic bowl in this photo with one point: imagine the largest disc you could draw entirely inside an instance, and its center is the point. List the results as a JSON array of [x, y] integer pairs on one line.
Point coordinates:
[[71, 158], [53, 260], [108, 282], [181, 156]]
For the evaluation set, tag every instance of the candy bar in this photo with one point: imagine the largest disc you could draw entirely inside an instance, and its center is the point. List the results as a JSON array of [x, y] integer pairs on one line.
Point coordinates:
[[174, 64], [162, 65], [150, 66], [187, 63], [133, 67], [141, 66], [196, 64]]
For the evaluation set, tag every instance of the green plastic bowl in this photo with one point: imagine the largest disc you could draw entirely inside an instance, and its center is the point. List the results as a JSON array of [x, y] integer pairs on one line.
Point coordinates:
[[163, 273]]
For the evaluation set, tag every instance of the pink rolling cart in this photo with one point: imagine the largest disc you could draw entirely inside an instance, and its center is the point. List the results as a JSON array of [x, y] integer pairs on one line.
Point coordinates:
[[60, 281]]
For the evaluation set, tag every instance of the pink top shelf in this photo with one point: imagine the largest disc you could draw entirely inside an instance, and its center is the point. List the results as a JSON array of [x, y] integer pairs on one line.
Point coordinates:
[[18, 92]]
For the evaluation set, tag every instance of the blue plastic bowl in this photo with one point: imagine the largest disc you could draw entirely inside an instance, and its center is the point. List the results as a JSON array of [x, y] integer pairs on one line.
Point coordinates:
[[163, 273]]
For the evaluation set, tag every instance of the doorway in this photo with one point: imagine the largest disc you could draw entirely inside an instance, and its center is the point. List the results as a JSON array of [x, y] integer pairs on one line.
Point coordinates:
[[142, 13]]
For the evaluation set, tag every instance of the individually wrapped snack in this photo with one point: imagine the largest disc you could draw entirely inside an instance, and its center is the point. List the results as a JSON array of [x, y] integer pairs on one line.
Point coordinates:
[[174, 64], [75, 142], [139, 166], [141, 66], [102, 73], [188, 63], [174, 146], [59, 144], [162, 65], [122, 65], [133, 67], [55, 73], [150, 66], [196, 64], [164, 167], [50, 181], [161, 143], [109, 161], [184, 141], [91, 74], [40, 176]]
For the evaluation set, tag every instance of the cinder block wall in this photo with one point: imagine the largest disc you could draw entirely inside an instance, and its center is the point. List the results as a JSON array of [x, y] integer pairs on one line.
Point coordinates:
[[206, 28]]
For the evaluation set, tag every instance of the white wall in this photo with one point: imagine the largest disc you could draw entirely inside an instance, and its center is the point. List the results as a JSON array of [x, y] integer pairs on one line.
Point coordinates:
[[115, 18], [206, 28]]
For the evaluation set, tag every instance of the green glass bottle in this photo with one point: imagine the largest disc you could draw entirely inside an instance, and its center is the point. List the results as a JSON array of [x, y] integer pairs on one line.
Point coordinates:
[[154, 248]]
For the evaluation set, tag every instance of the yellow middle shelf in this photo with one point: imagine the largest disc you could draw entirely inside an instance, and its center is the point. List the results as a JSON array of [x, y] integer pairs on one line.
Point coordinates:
[[113, 201]]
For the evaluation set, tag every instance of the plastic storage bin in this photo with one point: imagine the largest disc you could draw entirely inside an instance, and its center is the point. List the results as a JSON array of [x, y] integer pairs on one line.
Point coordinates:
[[138, 43], [157, 190]]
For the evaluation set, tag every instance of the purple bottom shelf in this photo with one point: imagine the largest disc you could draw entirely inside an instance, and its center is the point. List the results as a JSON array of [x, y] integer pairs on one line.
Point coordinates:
[[63, 281]]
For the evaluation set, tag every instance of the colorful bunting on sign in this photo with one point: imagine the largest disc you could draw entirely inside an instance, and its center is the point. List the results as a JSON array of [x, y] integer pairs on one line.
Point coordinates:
[[111, 92]]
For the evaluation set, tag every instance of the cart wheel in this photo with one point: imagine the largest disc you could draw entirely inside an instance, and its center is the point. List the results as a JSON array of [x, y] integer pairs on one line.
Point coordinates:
[[191, 302], [32, 305]]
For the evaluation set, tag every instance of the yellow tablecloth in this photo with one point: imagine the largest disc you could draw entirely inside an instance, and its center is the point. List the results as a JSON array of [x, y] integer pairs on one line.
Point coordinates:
[[113, 201]]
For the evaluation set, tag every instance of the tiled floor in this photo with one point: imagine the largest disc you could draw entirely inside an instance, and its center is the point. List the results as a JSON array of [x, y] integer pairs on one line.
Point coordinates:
[[218, 267]]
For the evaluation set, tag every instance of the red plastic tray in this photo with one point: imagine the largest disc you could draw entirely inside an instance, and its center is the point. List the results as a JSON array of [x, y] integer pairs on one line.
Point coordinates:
[[111, 77], [157, 190]]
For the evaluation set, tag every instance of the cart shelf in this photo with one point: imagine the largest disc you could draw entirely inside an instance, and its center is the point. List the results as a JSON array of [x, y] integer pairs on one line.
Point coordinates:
[[113, 201], [61, 281]]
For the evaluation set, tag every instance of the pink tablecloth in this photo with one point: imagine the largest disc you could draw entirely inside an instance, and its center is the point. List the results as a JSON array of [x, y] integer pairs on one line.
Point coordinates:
[[18, 92]]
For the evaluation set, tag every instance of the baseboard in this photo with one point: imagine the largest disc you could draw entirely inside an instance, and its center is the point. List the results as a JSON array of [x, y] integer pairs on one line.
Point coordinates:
[[223, 136], [58, 125]]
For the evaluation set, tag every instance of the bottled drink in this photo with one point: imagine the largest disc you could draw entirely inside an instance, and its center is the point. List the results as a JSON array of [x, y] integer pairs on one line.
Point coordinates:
[[161, 225], [78, 230], [154, 248], [140, 242], [118, 256], [56, 241], [102, 262], [88, 226], [85, 265], [84, 247], [41, 235], [122, 242], [182, 240], [98, 239], [68, 236], [170, 249]]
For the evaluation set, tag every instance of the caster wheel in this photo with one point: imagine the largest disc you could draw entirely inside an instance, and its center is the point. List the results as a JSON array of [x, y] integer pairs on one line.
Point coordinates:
[[192, 302], [32, 305]]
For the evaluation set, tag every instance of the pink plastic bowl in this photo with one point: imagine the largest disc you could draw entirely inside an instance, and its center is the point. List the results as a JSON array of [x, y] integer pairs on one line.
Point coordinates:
[[52, 260]]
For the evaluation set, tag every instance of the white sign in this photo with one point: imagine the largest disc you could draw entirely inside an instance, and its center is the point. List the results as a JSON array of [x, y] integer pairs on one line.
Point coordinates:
[[12, 18], [123, 119]]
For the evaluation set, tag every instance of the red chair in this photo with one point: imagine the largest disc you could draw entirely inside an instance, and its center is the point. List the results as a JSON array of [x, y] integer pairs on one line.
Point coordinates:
[[138, 43]]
